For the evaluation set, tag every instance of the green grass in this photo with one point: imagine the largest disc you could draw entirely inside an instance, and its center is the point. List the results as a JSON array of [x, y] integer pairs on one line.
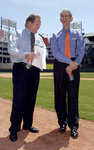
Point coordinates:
[[86, 100], [6, 88], [49, 66], [87, 75], [45, 95]]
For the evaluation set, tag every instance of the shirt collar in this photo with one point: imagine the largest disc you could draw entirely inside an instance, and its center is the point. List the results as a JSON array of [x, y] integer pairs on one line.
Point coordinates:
[[64, 30], [28, 31]]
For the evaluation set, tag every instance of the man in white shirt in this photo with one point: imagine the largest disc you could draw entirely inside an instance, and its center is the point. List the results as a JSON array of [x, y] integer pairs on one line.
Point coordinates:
[[25, 81]]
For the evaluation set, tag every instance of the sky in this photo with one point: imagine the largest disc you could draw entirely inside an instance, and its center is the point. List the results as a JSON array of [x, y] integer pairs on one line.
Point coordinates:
[[49, 10]]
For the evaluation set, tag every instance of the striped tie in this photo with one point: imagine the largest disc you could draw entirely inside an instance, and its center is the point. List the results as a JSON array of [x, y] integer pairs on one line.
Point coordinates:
[[32, 42]]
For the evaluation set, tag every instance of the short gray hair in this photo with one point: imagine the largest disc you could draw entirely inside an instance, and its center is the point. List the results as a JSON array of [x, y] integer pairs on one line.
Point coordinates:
[[31, 18], [70, 13]]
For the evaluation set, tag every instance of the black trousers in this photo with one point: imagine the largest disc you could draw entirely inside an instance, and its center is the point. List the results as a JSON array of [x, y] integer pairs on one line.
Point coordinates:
[[25, 85], [66, 95]]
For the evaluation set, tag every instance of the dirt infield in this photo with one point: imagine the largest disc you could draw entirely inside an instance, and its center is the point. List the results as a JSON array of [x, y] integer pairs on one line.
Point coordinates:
[[48, 137], [42, 75]]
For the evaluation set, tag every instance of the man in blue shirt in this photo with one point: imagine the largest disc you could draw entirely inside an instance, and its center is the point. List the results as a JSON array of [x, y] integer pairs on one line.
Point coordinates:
[[25, 81], [64, 66]]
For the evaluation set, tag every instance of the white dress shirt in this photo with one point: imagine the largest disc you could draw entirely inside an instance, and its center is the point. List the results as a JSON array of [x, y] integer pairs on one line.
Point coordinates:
[[20, 43]]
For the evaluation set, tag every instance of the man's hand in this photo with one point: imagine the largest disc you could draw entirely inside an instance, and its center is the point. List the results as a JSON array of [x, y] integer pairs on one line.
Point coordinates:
[[73, 65], [68, 69], [30, 56]]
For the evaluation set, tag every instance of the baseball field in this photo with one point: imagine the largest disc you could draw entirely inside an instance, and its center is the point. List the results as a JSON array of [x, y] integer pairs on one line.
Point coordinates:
[[45, 118]]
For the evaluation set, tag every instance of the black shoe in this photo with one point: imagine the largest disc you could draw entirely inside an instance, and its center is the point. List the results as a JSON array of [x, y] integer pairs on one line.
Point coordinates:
[[32, 129], [74, 133], [62, 128], [13, 136]]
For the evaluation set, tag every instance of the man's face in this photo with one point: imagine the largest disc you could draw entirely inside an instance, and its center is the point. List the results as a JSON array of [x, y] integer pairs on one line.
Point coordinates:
[[65, 19], [35, 26]]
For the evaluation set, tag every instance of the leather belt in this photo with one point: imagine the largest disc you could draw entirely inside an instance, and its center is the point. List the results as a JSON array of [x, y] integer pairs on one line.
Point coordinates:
[[73, 58], [22, 63]]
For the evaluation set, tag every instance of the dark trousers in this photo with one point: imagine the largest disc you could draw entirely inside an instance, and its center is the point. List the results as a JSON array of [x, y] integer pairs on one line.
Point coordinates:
[[25, 85], [66, 95]]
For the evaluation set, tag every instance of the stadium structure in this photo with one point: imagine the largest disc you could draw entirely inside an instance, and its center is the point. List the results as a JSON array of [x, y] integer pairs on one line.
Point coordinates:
[[87, 63], [88, 60]]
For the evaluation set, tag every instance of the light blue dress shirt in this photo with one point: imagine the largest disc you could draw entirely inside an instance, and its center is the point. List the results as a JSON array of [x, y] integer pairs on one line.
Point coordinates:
[[20, 43], [58, 44]]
